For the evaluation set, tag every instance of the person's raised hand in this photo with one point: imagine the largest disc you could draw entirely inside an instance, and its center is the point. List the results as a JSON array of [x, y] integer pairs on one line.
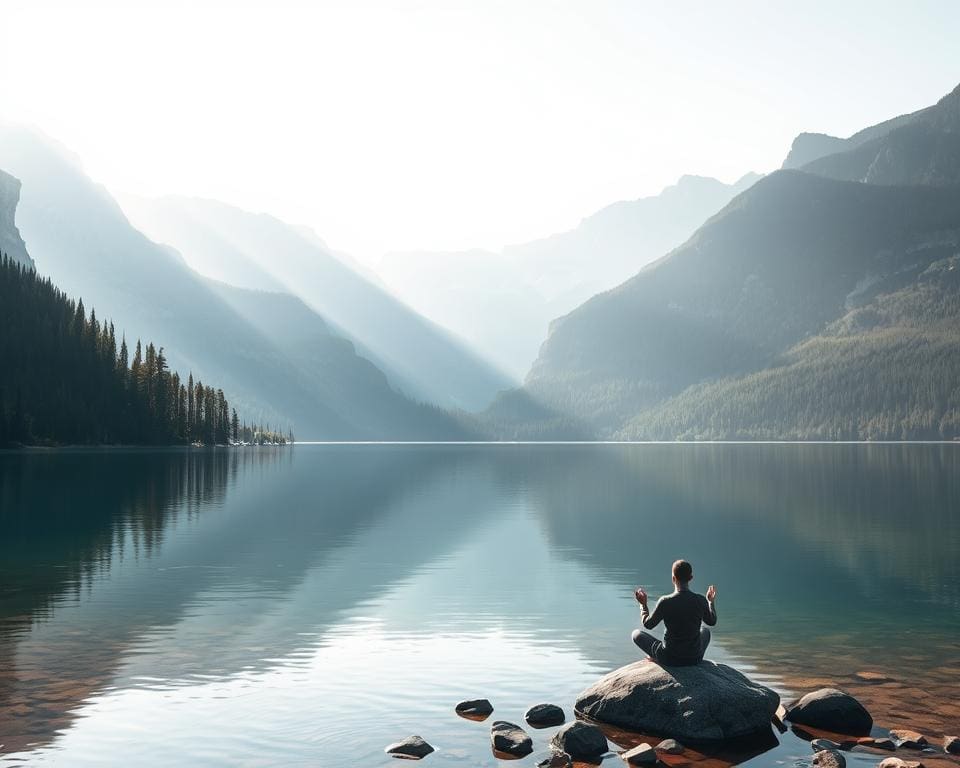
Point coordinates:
[[711, 593], [641, 594]]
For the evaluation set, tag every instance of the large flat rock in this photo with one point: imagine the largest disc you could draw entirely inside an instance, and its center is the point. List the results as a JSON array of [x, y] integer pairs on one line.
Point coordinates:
[[706, 702]]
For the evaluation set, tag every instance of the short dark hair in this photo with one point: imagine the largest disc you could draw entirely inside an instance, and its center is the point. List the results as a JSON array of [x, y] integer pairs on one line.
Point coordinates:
[[682, 571]]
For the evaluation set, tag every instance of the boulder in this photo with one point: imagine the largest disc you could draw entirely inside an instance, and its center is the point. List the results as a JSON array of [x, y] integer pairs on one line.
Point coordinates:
[[474, 708], [544, 715], [510, 739], [411, 747], [831, 710], [670, 747], [907, 739], [829, 758], [642, 754], [896, 762], [951, 745], [702, 703], [581, 741]]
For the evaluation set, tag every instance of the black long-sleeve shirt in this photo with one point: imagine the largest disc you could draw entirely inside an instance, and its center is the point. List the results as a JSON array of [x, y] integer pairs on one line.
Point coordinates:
[[681, 613]]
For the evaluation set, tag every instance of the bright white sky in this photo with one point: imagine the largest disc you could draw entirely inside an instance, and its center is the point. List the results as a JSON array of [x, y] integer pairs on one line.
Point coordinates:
[[446, 124]]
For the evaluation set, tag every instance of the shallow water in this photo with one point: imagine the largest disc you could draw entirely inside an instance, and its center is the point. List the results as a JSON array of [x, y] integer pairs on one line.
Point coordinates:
[[308, 606]]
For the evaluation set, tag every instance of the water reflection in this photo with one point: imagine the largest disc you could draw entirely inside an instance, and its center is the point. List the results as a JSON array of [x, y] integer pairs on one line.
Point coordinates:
[[288, 606]]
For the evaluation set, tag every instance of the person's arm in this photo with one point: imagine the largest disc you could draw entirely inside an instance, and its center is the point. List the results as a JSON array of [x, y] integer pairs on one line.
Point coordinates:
[[710, 617], [650, 621]]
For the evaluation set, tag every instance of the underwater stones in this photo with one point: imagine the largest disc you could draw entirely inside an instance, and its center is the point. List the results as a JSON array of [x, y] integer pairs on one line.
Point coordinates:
[[829, 758]]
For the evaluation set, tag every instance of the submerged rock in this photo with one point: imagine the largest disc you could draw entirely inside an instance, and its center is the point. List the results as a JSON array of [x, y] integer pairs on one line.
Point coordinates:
[[581, 741], [544, 715], [829, 758], [907, 739], [951, 745], [474, 708], [510, 739], [831, 710], [670, 747], [706, 702], [411, 747], [642, 754]]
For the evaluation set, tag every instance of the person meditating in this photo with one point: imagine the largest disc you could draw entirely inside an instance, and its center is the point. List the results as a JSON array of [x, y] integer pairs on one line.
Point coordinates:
[[684, 641]]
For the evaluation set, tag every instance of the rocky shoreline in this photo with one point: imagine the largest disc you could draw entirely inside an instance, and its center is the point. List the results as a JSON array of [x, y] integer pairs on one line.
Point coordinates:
[[711, 715]]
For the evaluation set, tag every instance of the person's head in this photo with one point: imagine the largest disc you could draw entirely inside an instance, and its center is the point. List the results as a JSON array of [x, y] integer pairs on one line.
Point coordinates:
[[682, 573]]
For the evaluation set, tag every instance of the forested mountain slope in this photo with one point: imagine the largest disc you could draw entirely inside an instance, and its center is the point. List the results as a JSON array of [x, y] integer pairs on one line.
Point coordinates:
[[68, 378], [782, 262]]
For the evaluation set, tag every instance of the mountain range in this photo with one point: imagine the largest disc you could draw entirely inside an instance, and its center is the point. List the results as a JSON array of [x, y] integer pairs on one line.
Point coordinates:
[[820, 303], [502, 302], [283, 365]]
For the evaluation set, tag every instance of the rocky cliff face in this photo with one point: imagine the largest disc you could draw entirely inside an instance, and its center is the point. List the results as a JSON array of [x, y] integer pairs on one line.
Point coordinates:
[[10, 241]]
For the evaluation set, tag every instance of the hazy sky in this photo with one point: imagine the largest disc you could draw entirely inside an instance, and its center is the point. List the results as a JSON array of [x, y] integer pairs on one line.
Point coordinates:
[[442, 124]]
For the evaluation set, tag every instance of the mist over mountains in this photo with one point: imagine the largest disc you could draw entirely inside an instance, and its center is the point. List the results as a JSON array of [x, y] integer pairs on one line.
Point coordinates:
[[277, 358], [260, 252], [819, 302], [502, 302]]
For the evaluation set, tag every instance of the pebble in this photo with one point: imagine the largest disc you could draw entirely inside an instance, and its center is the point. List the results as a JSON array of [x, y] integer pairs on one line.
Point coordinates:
[[670, 747], [642, 754], [829, 758]]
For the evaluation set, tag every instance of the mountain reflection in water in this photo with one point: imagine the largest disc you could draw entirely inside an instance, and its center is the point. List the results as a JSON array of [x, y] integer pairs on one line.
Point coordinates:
[[298, 605]]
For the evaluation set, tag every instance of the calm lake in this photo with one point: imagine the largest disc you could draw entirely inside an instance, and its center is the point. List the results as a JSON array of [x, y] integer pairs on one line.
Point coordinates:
[[307, 606]]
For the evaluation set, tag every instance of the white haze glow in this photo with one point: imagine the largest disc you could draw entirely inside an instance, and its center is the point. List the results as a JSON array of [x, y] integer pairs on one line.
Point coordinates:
[[441, 124]]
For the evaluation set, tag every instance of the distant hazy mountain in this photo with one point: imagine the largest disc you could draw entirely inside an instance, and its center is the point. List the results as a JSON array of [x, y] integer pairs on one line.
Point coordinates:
[[258, 251], [810, 307], [11, 243], [79, 236], [502, 303]]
